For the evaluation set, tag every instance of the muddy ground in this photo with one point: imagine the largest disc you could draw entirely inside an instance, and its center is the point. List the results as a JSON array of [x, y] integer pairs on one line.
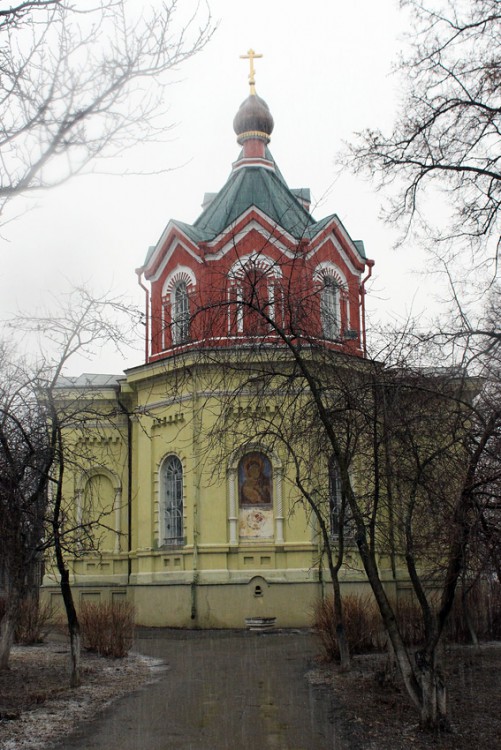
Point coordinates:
[[37, 706], [377, 715]]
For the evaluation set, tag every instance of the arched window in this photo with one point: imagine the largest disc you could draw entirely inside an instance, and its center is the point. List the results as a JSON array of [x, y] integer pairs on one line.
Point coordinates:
[[180, 314], [330, 308], [340, 518], [254, 283], [171, 508], [255, 301]]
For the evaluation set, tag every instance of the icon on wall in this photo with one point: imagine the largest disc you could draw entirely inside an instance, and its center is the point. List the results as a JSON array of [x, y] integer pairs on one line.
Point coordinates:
[[254, 480]]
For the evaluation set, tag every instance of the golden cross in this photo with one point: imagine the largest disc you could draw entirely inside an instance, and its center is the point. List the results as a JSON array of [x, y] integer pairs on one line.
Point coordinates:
[[251, 55]]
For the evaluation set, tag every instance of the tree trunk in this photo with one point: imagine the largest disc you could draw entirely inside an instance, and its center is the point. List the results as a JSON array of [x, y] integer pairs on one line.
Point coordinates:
[[467, 617], [344, 651], [8, 627], [402, 656], [433, 696], [73, 627], [69, 605], [75, 650]]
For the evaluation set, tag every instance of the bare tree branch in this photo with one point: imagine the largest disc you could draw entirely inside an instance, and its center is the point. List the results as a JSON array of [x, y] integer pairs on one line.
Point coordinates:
[[447, 135], [77, 83]]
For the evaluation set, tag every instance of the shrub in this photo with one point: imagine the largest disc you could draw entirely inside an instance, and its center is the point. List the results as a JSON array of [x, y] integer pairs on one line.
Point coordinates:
[[482, 608], [107, 629], [495, 610], [365, 632], [34, 621], [410, 621], [362, 622]]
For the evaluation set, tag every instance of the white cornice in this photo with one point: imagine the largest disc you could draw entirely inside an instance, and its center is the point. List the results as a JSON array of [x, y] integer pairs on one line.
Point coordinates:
[[332, 237], [188, 245], [268, 235], [168, 255]]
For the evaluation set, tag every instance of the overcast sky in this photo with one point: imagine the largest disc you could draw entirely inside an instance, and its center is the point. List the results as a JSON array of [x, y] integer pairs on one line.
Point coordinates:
[[326, 72]]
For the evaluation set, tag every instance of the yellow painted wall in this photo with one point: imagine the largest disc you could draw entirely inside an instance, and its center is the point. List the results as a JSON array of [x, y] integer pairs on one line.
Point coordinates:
[[206, 582]]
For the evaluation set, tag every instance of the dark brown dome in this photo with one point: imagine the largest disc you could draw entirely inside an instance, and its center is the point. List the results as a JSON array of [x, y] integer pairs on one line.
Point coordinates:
[[253, 119]]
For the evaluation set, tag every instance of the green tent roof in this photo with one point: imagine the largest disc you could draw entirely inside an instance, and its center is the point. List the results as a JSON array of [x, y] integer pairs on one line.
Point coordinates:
[[265, 189], [259, 187]]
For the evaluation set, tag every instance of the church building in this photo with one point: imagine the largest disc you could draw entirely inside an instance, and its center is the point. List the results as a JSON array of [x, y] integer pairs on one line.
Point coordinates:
[[196, 524]]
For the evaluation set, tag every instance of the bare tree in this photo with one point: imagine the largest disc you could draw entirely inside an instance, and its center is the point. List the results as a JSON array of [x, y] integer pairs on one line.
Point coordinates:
[[414, 448], [448, 131], [25, 459], [35, 513], [80, 81], [473, 340], [16, 15], [265, 405]]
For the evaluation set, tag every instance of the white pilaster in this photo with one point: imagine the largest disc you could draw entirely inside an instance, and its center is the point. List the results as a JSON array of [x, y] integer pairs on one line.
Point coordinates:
[[279, 513], [232, 517]]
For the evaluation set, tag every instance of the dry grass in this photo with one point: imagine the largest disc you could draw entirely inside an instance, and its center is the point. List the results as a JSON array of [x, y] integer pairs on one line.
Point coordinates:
[[381, 717], [365, 632], [362, 622], [107, 629], [34, 622]]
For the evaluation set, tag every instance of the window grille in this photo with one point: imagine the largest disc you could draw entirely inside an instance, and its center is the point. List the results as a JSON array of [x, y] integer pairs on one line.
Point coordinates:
[[181, 314], [339, 512], [172, 484], [329, 308]]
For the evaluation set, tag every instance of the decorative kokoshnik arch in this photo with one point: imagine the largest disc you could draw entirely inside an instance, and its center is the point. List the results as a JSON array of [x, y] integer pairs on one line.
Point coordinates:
[[255, 275], [333, 288], [83, 481], [176, 292]]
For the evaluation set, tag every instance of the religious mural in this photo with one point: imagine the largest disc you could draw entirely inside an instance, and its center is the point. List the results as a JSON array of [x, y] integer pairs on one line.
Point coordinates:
[[255, 496]]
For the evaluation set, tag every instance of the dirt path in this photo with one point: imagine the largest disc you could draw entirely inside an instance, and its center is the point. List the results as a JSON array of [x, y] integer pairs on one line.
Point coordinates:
[[220, 690]]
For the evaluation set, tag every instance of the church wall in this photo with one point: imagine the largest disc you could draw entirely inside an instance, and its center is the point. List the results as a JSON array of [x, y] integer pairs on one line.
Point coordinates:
[[95, 491], [211, 529], [211, 286], [210, 574], [218, 604], [226, 605]]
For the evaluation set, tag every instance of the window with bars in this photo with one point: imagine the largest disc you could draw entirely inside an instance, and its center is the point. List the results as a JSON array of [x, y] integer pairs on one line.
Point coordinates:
[[180, 314], [172, 501], [256, 295], [330, 308], [339, 513]]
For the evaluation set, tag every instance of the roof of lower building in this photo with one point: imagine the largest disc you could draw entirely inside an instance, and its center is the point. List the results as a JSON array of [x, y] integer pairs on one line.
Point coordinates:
[[88, 380]]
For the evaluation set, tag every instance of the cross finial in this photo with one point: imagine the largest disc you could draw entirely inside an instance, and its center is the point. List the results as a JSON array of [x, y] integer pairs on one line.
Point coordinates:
[[251, 56]]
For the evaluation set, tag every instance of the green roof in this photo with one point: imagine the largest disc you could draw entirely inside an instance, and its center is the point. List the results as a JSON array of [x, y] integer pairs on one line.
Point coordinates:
[[263, 188], [259, 187], [319, 225], [193, 232]]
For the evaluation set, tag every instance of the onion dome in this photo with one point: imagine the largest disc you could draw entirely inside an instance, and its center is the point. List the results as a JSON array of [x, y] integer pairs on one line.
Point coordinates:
[[253, 120]]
